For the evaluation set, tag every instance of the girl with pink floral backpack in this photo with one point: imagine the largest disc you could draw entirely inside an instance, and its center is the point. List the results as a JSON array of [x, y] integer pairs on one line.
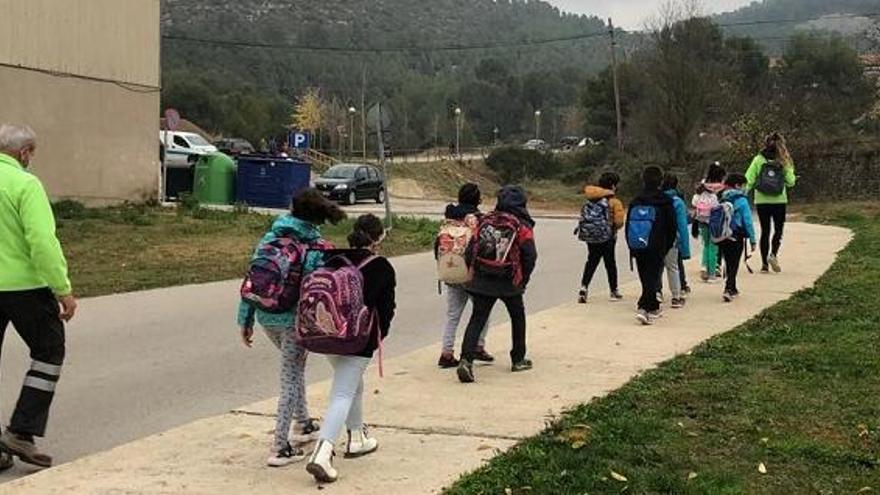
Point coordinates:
[[269, 293], [345, 312]]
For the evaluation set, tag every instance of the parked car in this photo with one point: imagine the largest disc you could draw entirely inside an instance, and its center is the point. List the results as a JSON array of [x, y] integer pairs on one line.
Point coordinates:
[[536, 145], [235, 146], [184, 148], [588, 141], [350, 182]]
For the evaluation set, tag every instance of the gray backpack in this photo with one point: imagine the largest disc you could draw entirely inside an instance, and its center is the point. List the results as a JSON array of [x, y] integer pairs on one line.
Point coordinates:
[[771, 179], [595, 224]]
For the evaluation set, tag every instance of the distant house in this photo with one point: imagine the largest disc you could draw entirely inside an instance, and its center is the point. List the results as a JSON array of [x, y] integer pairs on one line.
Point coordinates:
[[85, 76]]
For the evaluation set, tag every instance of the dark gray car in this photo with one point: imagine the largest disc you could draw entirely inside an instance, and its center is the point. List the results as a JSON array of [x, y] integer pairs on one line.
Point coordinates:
[[349, 183]]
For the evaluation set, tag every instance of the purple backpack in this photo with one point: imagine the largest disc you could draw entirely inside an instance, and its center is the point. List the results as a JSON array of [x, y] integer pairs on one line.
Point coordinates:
[[272, 282], [332, 317]]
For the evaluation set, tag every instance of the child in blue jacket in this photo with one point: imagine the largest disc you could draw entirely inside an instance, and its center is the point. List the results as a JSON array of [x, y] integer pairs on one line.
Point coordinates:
[[682, 247], [732, 249]]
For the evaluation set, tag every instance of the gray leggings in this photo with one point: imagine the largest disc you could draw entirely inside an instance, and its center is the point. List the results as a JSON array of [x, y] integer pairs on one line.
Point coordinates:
[[292, 401], [456, 300], [346, 405]]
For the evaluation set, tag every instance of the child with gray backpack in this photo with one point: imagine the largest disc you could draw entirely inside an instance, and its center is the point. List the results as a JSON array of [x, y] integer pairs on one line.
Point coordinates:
[[602, 216]]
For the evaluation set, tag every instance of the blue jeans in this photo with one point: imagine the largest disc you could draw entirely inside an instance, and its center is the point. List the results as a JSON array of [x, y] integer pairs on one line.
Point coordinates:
[[345, 407]]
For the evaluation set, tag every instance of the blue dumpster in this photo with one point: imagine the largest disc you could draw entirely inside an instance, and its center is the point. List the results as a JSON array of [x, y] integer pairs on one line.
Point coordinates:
[[270, 182]]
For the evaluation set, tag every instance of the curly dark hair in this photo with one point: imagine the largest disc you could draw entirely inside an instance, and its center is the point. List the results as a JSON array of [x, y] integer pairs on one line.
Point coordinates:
[[311, 206], [367, 230]]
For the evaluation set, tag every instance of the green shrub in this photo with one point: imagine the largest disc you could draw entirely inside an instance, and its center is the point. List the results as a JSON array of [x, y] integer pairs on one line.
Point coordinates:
[[69, 210], [513, 164]]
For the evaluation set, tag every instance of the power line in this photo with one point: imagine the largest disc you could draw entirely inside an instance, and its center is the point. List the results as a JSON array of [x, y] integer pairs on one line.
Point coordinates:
[[128, 86], [386, 49]]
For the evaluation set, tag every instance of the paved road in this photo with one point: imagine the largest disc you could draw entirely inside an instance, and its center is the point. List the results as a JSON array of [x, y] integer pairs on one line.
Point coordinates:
[[145, 362]]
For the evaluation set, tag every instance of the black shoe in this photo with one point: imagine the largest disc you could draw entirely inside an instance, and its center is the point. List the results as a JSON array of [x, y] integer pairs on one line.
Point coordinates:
[[6, 461], [524, 365], [616, 296], [765, 269], [482, 355], [465, 372], [582, 296], [686, 289], [447, 361]]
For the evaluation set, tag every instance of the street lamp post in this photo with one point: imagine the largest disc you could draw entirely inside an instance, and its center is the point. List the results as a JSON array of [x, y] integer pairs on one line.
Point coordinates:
[[351, 113], [537, 124], [458, 131]]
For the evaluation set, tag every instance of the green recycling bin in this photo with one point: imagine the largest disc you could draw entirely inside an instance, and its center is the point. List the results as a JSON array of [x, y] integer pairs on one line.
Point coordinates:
[[214, 182]]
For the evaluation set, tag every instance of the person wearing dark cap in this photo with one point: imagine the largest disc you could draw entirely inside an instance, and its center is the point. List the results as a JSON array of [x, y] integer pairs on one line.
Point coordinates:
[[503, 256]]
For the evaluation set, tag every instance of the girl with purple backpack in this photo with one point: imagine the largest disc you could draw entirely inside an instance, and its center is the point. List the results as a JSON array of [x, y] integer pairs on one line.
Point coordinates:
[[309, 210], [345, 407]]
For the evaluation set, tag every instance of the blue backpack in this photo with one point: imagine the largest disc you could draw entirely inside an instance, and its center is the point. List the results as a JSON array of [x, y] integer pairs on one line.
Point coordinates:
[[640, 227]]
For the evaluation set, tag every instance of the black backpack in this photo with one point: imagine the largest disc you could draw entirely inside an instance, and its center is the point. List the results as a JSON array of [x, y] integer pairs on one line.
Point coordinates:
[[771, 179]]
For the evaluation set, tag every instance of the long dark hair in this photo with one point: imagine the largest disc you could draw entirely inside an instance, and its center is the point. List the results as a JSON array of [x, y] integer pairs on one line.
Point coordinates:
[[367, 230]]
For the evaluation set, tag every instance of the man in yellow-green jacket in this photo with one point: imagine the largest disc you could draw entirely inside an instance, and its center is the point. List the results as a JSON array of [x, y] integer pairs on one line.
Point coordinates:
[[35, 293]]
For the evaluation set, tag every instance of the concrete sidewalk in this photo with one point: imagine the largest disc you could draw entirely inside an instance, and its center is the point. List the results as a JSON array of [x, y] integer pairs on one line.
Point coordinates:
[[432, 428]]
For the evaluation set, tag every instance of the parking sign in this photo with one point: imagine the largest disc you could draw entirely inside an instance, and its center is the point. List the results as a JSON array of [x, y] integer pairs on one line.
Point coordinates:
[[299, 140]]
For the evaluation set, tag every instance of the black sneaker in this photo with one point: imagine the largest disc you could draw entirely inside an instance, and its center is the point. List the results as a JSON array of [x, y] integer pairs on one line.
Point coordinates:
[[616, 296], [286, 456], [582, 296], [524, 365], [765, 269], [306, 431], [483, 356], [465, 372], [447, 361], [686, 289]]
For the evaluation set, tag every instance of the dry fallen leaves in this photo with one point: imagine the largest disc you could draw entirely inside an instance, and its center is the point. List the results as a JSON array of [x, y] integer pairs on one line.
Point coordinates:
[[576, 436], [692, 476], [865, 489], [619, 477], [762, 468]]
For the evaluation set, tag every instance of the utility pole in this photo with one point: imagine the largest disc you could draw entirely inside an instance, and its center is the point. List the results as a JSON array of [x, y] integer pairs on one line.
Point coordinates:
[[616, 85], [364, 110], [380, 130]]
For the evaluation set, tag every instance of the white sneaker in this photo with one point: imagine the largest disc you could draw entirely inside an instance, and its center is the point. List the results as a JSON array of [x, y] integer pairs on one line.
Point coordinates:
[[321, 463], [643, 318], [286, 456], [774, 263], [360, 444]]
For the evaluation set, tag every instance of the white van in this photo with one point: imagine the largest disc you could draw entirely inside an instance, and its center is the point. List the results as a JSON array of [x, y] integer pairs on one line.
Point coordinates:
[[184, 147]]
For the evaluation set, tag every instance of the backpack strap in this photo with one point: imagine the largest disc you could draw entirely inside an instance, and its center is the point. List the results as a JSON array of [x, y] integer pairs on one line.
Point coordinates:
[[367, 261]]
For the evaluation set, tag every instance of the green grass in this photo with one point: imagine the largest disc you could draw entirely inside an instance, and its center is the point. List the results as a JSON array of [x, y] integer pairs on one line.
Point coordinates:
[[135, 247], [797, 389]]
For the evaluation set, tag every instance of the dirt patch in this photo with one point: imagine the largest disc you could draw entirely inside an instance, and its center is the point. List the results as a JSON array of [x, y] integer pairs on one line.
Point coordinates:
[[407, 188]]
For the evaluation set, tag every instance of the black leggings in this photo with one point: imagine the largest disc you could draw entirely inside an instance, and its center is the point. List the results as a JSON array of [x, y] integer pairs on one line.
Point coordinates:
[[768, 214]]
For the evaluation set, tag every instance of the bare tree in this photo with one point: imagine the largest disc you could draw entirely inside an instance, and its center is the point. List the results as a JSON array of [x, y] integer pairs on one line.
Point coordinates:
[[684, 76]]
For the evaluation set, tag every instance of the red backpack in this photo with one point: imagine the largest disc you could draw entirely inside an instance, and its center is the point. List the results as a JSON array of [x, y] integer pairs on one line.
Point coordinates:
[[496, 247]]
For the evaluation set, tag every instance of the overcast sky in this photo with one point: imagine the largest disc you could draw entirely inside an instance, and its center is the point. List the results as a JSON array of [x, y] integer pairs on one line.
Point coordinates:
[[630, 14]]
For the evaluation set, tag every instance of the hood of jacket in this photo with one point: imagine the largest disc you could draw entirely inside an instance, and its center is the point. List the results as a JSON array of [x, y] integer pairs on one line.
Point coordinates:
[[595, 193], [733, 195], [288, 225], [672, 194], [513, 200], [459, 211]]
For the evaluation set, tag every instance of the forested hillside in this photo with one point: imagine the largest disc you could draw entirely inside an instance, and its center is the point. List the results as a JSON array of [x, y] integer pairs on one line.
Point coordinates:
[[237, 88], [854, 19]]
